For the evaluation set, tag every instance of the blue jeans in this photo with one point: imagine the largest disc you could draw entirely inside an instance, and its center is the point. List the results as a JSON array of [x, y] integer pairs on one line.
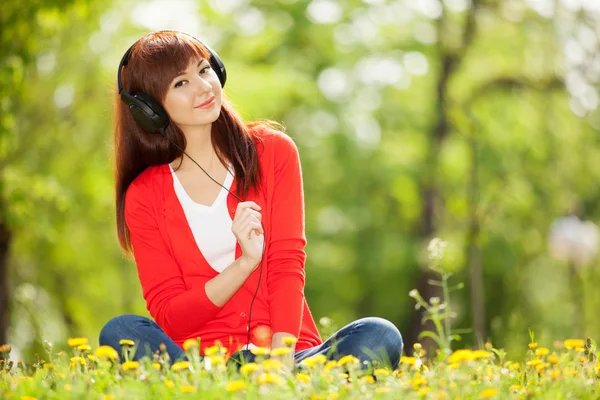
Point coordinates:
[[367, 339]]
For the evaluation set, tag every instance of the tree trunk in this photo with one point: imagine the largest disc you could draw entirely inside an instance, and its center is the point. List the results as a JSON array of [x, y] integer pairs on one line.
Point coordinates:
[[5, 236]]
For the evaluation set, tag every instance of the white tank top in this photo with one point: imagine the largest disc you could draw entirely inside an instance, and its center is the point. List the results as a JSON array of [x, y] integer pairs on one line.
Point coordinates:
[[211, 225]]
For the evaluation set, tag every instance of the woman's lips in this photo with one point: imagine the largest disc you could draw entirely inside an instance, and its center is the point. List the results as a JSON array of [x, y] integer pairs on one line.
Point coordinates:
[[207, 104]]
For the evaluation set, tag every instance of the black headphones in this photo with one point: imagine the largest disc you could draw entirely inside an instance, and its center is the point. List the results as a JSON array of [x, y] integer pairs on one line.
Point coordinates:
[[146, 111]]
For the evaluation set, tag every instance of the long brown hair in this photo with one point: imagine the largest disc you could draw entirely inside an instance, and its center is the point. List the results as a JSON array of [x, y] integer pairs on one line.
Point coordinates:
[[155, 61]]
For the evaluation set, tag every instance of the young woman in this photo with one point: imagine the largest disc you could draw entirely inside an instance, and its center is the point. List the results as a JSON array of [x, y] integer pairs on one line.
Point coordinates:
[[212, 210]]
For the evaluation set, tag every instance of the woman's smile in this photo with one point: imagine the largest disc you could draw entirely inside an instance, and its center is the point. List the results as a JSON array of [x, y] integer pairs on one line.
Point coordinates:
[[208, 103]]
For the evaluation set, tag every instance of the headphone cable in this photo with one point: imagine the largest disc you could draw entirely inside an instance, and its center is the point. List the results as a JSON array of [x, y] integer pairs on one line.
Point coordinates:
[[264, 240]]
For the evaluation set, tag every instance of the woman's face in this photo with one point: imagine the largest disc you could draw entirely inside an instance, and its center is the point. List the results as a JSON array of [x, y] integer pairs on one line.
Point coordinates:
[[194, 96]]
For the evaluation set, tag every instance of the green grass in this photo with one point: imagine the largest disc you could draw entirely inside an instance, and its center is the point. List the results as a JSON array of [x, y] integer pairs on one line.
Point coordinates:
[[565, 370]]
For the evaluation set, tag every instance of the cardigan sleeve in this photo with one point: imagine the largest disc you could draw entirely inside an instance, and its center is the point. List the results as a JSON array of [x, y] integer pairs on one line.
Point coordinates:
[[286, 256], [178, 310]]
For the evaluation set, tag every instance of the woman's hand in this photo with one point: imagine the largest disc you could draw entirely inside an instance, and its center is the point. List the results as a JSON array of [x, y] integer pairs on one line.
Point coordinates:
[[248, 231]]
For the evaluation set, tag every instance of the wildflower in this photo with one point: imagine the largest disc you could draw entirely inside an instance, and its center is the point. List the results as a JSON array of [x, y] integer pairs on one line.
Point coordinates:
[[169, 383], [155, 366], [248, 368], [68, 387], [281, 351], [289, 340], [91, 357], [532, 346], [106, 351], [542, 351], [108, 397], [304, 378], [514, 388], [191, 344], [417, 346], [76, 342], [270, 377], [488, 393], [48, 366], [211, 351], [423, 391], [383, 389], [554, 374], [28, 398], [126, 342], [84, 347], [408, 360], [216, 360], [234, 386], [460, 355], [260, 351], [552, 359], [178, 366], [329, 366], [367, 379], [333, 396], [436, 249], [573, 343], [381, 371], [314, 360], [477, 354], [130, 365], [187, 389], [5, 348], [77, 360], [534, 362], [347, 360], [272, 364]]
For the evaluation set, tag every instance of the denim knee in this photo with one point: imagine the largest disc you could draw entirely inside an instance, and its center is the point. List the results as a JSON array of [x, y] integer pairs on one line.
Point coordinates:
[[118, 327], [390, 337]]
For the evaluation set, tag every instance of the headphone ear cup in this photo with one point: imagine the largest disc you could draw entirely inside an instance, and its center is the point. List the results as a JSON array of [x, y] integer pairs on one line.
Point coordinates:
[[148, 113]]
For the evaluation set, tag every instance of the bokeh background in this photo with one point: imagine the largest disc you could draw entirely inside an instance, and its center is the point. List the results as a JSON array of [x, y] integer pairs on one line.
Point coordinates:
[[475, 121]]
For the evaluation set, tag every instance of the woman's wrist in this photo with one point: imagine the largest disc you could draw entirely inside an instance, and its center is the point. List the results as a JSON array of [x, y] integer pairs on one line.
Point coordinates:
[[247, 263]]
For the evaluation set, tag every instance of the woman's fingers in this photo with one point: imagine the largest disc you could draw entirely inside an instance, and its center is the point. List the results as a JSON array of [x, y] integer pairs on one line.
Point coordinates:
[[243, 206]]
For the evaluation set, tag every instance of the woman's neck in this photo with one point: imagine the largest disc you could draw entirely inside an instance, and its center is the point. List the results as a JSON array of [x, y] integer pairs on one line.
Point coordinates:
[[199, 147]]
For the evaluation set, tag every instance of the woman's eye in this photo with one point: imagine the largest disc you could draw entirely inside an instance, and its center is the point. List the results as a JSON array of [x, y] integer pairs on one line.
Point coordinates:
[[203, 70], [179, 84]]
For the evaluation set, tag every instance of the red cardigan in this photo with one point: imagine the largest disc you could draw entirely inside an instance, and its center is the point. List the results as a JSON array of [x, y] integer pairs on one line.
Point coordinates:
[[173, 272]]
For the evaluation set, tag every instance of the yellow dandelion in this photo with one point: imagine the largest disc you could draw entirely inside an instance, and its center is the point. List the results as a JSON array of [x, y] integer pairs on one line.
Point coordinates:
[[28, 398], [169, 383], [573, 343], [454, 365], [423, 391], [108, 397], [248, 368], [289, 340], [217, 360], [534, 362], [408, 360], [281, 351], [5, 348], [260, 351], [191, 344], [383, 389], [84, 347], [460, 355], [155, 366], [317, 397], [269, 377], [542, 351], [130, 365], [211, 351], [349, 359], [333, 396], [126, 342], [76, 342], [417, 346], [477, 354], [77, 360], [48, 366], [330, 365], [532, 346], [187, 389], [580, 349], [367, 379], [514, 388], [554, 374], [178, 366], [552, 359], [91, 357], [106, 351], [381, 372], [272, 364], [514, 366], [68, 387], [235, 386], [315, 360], [301, 377], [488, 393]]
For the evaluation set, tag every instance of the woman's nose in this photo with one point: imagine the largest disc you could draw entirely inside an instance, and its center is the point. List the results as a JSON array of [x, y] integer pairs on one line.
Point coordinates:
[[202, 85]]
